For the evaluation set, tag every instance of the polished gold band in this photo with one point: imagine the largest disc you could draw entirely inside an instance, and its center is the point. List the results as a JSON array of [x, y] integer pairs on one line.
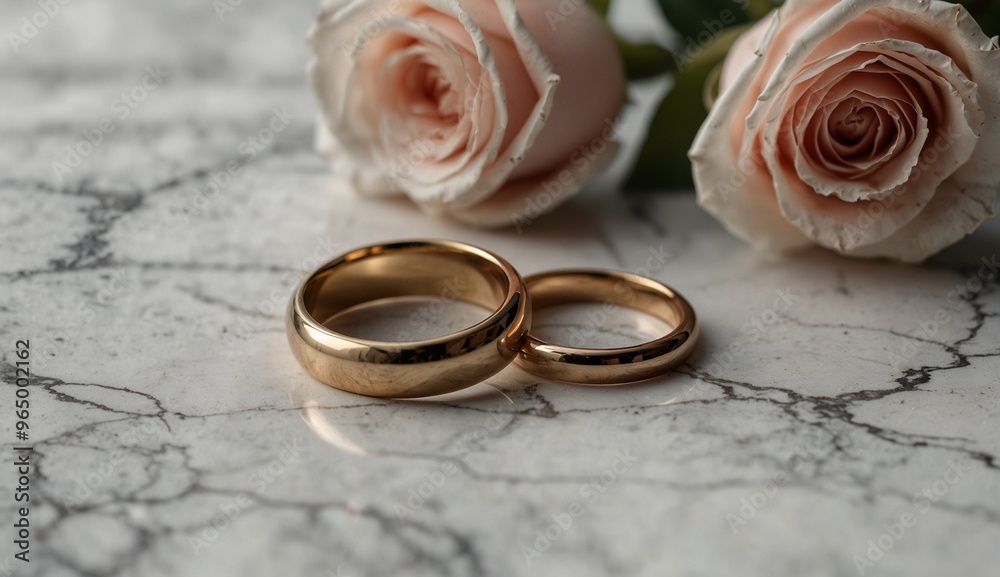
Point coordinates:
[[409, 369], [609, 366]]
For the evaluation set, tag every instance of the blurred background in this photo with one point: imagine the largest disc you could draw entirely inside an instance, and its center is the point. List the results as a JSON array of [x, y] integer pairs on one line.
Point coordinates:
[[225, 65]]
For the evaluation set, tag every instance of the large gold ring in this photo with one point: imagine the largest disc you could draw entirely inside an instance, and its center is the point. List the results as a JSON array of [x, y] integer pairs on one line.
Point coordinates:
[[405, 269], [609, 366]]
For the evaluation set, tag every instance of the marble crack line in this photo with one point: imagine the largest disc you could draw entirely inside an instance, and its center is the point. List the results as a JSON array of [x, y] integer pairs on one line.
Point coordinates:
[[80, 431], [842, 326], [91, 246], [151, 467], [83, 189], [51, 386], [185, 416], [538, 412], [972, 301], [64, 511], [110, 205], [610, 247], [640, 212], [544, 409], [988, 515], [389, 524], [508, 479], [152, 266], [821, 404], [837, 408], [203, 173], [201, 297], [547, 409]]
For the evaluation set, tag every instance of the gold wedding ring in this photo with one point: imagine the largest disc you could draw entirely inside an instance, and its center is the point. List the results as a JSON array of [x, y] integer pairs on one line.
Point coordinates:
[[405, 269], [432, 268], [609, 366]]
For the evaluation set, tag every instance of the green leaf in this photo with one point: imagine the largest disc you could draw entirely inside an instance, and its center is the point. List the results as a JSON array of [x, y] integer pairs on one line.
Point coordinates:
[[601, 6], [699, 22], [663, 163], [757, 9], [644, 59]]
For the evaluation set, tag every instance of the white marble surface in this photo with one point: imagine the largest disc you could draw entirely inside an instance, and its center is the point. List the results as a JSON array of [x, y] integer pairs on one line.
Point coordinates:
[[156, 330]]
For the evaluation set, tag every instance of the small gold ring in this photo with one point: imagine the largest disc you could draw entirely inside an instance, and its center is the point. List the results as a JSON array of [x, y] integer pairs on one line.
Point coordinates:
[[608, 366], [423, 368]]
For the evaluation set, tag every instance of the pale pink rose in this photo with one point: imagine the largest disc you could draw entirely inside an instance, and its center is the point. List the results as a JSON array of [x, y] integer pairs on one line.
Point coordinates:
[[871, 127], [481, 109]]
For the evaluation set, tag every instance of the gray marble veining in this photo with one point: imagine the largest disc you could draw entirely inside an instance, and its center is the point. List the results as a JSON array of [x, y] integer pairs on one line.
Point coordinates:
[[838, 414]]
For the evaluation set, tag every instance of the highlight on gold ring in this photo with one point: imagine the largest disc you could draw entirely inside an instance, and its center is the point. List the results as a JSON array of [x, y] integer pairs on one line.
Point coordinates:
[[609, 366], [405, 269]]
